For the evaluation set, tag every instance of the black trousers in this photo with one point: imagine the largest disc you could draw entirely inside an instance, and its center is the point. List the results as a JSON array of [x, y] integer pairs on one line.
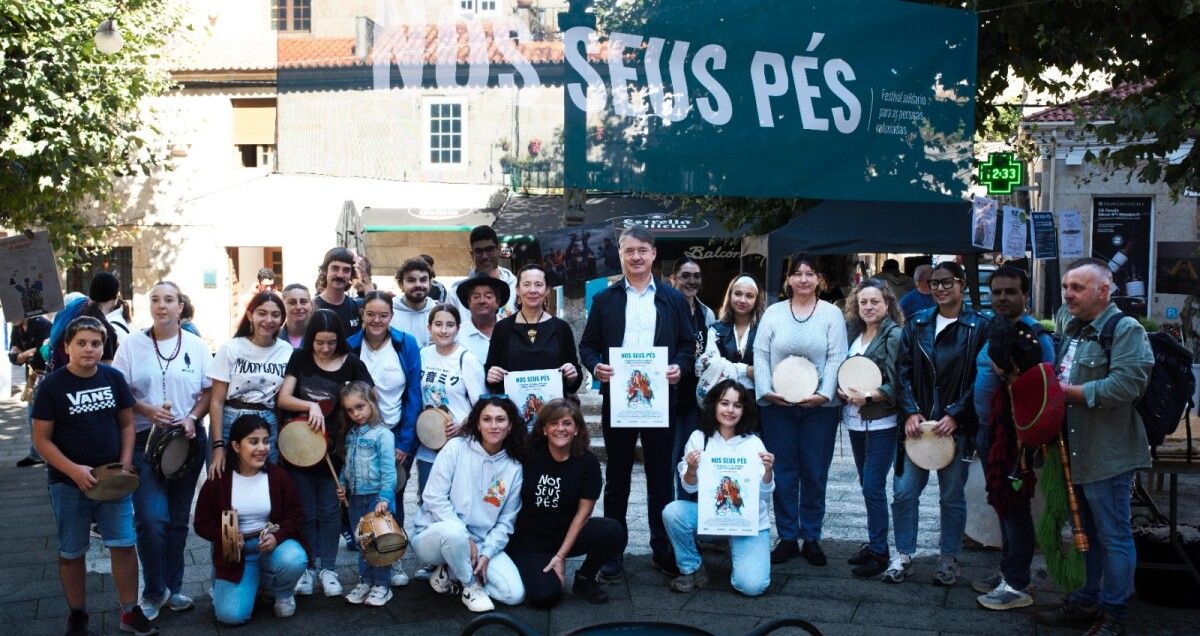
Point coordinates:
[[657, 443], [600, 539]]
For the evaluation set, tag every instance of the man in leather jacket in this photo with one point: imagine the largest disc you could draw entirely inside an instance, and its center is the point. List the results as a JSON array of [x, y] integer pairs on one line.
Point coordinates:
[[936, 365]]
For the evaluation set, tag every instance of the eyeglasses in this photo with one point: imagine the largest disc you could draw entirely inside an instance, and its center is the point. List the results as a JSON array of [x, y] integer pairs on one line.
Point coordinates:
[[481, 251], [943, 283], [494, 396]]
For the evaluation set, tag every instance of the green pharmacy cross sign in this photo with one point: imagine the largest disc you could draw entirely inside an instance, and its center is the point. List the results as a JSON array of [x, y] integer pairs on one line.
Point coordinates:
[[1001, 172]]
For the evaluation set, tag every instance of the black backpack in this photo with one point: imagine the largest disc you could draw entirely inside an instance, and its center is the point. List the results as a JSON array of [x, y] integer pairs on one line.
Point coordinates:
[[1168, 396]]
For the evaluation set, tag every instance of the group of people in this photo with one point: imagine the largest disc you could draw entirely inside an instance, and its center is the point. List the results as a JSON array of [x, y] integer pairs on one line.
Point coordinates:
[[503, 505]]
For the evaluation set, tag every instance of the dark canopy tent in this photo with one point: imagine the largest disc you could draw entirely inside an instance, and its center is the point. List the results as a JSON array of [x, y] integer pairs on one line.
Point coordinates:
[[849, 227]]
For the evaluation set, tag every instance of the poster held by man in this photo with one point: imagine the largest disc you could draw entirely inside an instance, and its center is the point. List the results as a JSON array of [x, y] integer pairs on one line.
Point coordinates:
[[640, 393]]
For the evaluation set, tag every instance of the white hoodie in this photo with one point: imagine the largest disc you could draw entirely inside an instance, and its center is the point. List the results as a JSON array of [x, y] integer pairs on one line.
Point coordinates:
[[481, 491], [741, 444], [414, 322]]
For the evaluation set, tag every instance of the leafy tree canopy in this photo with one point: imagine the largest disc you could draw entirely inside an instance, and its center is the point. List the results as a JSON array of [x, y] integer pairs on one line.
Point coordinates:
[[72, 119]]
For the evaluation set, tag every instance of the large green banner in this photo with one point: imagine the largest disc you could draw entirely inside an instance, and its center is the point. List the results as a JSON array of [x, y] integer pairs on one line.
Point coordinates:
[[822, 99]]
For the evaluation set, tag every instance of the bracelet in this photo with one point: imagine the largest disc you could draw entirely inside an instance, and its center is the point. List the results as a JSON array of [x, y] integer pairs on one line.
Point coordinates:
[[218, 443], [195, 420]]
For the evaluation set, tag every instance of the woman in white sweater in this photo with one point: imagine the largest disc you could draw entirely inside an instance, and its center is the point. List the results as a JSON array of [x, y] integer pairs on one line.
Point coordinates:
[[470, 505], [800, 434]]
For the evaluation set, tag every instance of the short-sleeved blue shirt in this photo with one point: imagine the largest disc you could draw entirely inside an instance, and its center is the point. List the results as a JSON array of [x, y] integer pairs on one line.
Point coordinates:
[[84, 412]]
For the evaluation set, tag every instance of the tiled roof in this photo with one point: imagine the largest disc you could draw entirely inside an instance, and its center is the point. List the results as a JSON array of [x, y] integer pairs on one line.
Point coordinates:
[[339, 52], [1066, 112]]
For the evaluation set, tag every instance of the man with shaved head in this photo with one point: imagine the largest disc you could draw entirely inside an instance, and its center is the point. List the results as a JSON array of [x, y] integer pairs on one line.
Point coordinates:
[[1106, 441]]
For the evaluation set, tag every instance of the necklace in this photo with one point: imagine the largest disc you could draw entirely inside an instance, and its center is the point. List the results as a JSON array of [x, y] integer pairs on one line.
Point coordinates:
[[812, 311], [159, 358], [532, 332]]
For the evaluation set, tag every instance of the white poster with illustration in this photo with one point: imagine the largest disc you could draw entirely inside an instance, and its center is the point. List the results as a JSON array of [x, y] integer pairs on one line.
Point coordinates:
[[30, 277], [983, 223], [529, 390], [638, 392], [728, 495], [1016, 232]]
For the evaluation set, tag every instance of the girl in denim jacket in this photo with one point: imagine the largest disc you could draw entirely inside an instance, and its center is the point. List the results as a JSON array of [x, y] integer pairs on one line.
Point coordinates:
[[368, 481]]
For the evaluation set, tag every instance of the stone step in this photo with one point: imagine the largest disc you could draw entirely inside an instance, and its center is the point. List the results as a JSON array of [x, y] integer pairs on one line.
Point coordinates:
[[592, 404]]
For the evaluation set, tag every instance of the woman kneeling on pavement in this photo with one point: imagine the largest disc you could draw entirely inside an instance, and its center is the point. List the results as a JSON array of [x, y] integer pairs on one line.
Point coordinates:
[[470, 504], [269, 520], [562, 482], [727, 424]]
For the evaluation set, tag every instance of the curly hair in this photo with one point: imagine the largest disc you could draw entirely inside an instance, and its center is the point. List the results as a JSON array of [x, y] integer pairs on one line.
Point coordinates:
[[708, 417], [889, 299], [553, 411], [515, 442]]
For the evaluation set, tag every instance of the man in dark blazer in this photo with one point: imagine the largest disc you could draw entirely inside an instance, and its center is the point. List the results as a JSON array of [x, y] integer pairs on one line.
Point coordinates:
[[639, 311]]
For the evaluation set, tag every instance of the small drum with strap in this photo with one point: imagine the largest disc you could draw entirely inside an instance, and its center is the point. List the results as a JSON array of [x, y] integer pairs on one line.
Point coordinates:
[[113, 481], [380, 538], [171, 452], [231, 546], [301, 446], [860, 373], [795, 378], [431, 427], [930, 451]]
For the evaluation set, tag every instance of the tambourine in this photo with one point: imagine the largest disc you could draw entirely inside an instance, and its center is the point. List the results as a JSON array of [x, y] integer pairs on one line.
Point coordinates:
[[380, 538], [930, 451], [431, 427], [113, 481], [795, 378], [231, 547], [401, 480], [861, 373], [170, 452], [301, 446]]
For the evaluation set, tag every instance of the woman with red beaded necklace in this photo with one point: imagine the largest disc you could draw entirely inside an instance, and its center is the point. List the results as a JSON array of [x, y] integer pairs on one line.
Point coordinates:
[[167, 371]]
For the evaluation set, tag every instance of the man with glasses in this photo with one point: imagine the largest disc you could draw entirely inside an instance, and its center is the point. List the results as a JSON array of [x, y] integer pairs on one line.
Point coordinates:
[[485, 253], [936, 365], [639, 311]]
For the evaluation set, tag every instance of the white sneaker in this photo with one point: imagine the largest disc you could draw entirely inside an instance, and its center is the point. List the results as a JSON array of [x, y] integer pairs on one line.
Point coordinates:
[[380, 595], [151, 608], [358, 594], [476, 599], [441, 582], [329, 583], [899, 568], [304, 587], [285, 607], [180, 602], [423, 573], [399, 577]]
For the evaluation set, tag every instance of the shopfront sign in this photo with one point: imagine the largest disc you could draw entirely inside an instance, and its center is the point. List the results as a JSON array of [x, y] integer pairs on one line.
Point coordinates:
[[819, 99]]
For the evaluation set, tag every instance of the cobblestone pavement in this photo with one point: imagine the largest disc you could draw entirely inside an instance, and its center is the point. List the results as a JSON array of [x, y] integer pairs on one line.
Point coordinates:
[[31, 600]]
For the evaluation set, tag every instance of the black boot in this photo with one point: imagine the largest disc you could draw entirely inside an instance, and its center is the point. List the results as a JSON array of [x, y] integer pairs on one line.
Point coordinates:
[[875, 564], [589, 590], [785, 551]]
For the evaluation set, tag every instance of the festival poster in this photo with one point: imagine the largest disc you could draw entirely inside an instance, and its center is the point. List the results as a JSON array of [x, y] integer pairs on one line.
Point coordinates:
[[30, 277], [728, 495], [529, 390], [983, 223], [1016, 231], [638, 392], [1070, 235], [574, 255]]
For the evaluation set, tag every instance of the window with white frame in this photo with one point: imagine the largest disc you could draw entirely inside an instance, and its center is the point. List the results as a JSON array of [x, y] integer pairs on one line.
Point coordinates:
[[477, 6], [446, 133]]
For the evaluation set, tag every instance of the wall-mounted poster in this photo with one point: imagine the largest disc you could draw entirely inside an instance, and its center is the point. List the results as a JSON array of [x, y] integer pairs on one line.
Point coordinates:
[[29, 276], [1121, 236], [1178, 268], [574, 255]]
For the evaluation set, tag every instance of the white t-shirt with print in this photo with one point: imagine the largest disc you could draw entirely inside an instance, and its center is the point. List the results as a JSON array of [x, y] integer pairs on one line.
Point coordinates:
[[447, 382], [390, 381], [186, 374], [254, 373]]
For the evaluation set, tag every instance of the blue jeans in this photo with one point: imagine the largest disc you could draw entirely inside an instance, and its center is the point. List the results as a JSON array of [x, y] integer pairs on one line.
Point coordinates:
[[276, 574], [322, 514], [873, 454], [359, 506], [802, 441], [906, 502], [1017, 542], [1112, 559], [423, 470], [162, 511], [229, 414], [751, 555], [74, 513]]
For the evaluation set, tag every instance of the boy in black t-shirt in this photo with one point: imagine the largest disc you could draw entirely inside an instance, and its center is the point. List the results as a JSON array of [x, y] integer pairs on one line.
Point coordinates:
[[82, 418]]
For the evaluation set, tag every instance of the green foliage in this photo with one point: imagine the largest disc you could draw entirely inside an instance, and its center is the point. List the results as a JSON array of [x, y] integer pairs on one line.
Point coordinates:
[[1047, 324], [72, 119], [1149, 325]]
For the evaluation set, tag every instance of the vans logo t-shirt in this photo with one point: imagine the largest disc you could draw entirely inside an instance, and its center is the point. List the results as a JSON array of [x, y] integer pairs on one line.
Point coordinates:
[[91, 400]]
